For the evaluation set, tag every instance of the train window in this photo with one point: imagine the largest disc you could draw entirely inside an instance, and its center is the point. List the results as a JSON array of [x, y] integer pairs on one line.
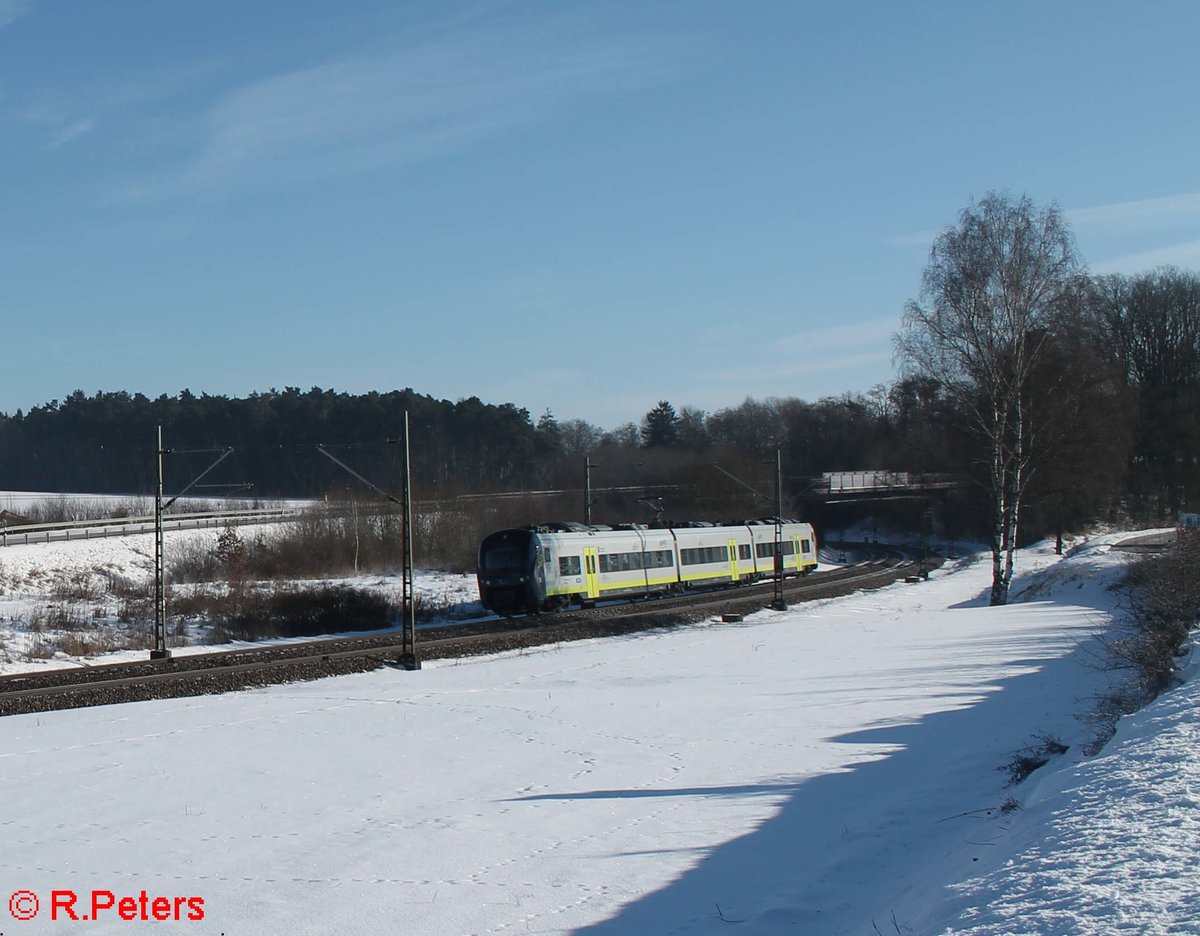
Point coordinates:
[[789, 548], [508, 557], [569, 565], [743, 550], [805, 546]]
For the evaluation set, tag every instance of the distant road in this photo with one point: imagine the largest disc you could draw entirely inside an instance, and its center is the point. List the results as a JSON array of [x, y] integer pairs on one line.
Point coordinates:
[[26, 534]]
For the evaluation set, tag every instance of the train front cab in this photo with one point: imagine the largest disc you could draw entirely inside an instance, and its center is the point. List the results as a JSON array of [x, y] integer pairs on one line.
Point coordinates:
[[508, 578]]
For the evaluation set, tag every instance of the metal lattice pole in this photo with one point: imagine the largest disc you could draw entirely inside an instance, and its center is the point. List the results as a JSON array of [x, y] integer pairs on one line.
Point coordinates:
[[779, 603], [408, 658], [160, 651], [587, 490]]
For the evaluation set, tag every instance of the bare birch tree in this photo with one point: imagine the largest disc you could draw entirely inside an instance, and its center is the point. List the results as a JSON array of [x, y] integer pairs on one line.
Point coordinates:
[[995, 291]]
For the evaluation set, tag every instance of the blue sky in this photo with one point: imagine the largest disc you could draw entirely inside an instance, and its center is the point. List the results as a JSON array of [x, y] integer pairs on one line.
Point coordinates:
[[586, 207]]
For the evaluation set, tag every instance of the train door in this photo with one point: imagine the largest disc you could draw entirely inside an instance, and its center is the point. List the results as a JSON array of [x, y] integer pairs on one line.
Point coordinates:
[[799, 556], [733, 560], [590, 568]]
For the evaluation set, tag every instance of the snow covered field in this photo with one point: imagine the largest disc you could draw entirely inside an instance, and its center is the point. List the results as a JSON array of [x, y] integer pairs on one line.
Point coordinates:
[[830, 769], [36, 579]]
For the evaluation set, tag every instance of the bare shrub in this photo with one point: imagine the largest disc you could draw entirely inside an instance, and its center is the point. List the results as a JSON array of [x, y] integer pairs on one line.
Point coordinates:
[[82, 645], [59, 617], [78, 585], [1164, 608], [1161, 608], [1030, 758], [192, 560], [199, 600], [39, 650], [252, 614], [133, 608], [140, 636]]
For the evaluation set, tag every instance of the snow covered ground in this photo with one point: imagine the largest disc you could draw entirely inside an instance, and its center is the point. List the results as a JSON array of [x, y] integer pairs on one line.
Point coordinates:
[[79, 576], [829, 769]]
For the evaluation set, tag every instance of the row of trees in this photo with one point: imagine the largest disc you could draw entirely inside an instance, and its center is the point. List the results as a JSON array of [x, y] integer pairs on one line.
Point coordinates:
[[1057, 381]]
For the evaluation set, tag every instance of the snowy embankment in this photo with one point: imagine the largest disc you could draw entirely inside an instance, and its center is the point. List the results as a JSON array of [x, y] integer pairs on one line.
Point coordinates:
[[1109, 844], [829, 769]]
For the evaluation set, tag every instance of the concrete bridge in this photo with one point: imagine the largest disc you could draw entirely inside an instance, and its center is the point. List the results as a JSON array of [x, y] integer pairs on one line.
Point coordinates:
[[834, 487]]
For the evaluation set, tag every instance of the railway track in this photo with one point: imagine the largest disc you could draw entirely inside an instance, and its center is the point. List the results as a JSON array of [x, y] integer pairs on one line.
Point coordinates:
[[226, 671]]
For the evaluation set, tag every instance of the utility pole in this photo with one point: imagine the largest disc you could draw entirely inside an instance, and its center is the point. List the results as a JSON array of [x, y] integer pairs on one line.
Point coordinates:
[[160, 651], [408, 656], [779, 603], [587, 489]]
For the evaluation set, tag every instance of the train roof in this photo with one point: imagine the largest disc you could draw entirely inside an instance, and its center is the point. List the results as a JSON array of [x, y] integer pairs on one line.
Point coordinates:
[[569, 526]]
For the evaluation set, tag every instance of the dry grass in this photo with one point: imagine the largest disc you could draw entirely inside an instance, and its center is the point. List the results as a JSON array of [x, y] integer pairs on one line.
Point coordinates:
[[1161, 606], [1030, 758]]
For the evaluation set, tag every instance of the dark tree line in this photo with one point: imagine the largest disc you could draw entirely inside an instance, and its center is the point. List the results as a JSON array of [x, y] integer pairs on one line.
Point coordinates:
[[1153, 329], [105, 443]]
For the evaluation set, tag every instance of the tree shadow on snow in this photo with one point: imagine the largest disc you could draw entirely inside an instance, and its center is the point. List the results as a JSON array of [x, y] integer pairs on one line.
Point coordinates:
[[843, 846]]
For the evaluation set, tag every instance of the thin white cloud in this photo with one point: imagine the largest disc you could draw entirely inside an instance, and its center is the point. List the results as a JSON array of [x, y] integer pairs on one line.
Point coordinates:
[[72, 131], [1181, 255], [1140, 215], [853, 335], [405, 104], [12, 10]]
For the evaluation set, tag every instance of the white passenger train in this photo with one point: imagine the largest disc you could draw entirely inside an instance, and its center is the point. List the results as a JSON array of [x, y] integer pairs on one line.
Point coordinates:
[[541, 568]]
